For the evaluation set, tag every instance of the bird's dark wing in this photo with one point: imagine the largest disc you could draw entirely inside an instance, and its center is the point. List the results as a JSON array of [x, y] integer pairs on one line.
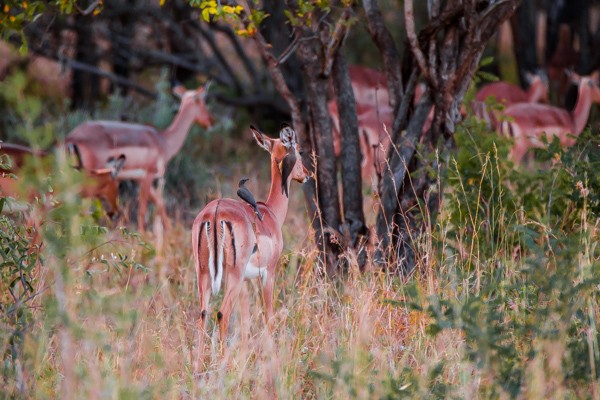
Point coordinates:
[[245, 194]]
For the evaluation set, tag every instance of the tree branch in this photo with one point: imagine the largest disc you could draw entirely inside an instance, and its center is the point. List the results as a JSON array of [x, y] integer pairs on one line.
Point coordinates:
[[385, 43], [409, 21]]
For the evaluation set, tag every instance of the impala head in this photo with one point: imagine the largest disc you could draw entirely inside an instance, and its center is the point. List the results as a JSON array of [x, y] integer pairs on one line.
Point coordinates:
[[196, 99], [539, 82], [590, 80], [284, 152]]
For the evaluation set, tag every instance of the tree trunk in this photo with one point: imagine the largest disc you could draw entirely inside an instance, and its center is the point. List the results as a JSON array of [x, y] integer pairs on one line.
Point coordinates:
[[523, 26], [354, 219], [446, 53], [320, 131], [122, 28], [385, 43], [85, 85]]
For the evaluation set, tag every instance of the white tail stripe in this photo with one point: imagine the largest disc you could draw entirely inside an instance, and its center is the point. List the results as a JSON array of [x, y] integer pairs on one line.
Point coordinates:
[[216, 284], [211, 257]]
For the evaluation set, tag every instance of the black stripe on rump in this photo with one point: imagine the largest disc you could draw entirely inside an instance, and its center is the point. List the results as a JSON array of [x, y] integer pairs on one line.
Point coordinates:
[[230, 227], [200, 241]]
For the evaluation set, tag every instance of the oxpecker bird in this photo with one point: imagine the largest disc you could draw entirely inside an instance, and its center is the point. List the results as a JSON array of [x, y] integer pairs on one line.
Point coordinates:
[[244, 193]]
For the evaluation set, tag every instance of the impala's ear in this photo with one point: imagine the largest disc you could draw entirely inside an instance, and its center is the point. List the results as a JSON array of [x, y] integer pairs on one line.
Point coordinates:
[[178, 91], [287, 136], [574, 77], [595, 76], [261, 139], [529, 77], [202, 91]]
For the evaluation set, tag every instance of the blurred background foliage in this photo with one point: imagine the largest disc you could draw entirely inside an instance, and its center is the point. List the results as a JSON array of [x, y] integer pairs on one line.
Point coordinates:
[[503, 302]]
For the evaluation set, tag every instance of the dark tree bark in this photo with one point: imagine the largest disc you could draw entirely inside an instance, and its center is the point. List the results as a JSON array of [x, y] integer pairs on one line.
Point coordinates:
[[180, 11], [85, 85], [354, 220], [446, 53], [320, 131], [385, 43], [279, 34], [122, 28], [523, 26]]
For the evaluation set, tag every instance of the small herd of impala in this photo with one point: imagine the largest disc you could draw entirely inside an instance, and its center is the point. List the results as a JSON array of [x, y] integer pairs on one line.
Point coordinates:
[[234, 240]]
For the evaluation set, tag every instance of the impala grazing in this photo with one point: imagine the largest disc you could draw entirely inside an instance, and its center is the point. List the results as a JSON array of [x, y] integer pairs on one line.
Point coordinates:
[[528, 122], [373, 112], [230, 243], [374, 140], [147, 151], [101, 183], [506, 94]]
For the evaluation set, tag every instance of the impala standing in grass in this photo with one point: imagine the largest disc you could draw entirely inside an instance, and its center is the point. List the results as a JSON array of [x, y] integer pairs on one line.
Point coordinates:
[[527, 122], [230, 243], [101, 183], [147, 150]]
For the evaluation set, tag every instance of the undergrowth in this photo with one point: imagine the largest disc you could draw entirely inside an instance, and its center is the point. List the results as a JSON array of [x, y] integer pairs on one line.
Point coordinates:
[[505, 303]]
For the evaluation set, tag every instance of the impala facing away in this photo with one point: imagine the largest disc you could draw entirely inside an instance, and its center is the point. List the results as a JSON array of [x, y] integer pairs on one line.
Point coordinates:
[[147, 151], [101, 183], [230, 243], [528, 122], [507, 94]]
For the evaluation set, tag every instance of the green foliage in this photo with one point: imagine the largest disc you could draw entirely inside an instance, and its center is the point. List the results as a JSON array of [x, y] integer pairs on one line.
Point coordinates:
[[527, 282], [16, 14], [40, 250], [517, 269]]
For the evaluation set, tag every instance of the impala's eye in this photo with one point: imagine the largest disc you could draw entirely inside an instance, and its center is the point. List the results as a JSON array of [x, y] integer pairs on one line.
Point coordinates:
[[301, 152]]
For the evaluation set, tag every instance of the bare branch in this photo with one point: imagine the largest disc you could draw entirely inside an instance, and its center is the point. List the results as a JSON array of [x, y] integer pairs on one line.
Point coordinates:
[[339, 34], [208, 36], [409, 21], [77, 65], [89, 9], [241, 52], [385, 43]]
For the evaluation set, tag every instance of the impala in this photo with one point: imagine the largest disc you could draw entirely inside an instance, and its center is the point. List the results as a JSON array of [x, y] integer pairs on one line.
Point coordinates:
[[528, 122], [147, 151], [100, 184], [506, 94], [230, 243], [374, 140]]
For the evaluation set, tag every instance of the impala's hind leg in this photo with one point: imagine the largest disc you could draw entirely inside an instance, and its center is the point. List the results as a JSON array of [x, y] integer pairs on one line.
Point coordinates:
[[232, 292], [268, 284], [203, 334]]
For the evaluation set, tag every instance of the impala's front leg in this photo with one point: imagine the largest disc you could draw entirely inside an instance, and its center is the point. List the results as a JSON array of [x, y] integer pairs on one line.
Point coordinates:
[[159, 201], [268, 285], [145, 185]]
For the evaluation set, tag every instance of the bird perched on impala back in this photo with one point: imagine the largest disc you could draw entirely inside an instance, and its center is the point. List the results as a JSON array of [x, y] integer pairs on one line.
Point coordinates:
[[244, 193]]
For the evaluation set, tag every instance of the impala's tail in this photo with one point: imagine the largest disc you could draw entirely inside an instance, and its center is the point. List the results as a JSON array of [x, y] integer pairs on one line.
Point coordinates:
[[214, 242]]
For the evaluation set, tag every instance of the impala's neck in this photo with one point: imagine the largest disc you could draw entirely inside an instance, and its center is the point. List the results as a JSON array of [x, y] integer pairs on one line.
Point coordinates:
[[175, 134], [277, 201], [582, 109]]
